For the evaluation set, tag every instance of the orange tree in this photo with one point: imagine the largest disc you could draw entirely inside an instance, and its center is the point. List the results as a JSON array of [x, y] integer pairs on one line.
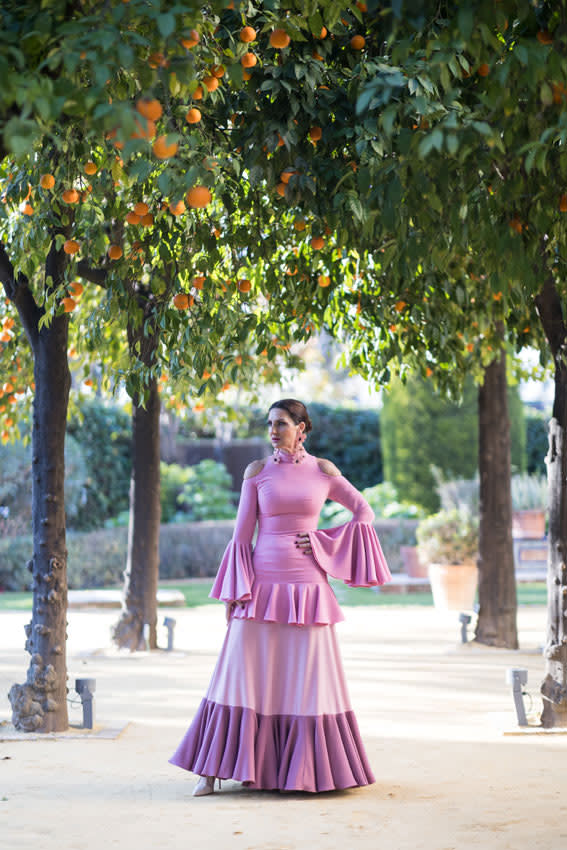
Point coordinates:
[[439, 156], [85, 138]]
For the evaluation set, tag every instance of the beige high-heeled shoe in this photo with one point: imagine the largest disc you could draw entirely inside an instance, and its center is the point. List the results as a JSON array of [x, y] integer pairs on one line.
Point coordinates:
[[205, 785]]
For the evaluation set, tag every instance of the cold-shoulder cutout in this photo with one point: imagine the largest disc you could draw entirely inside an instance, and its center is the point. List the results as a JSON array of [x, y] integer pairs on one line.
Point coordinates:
[[327, 466], [254, 468]]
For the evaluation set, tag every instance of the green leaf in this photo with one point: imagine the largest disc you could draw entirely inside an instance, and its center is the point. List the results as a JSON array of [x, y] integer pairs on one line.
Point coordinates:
[[166, 24]]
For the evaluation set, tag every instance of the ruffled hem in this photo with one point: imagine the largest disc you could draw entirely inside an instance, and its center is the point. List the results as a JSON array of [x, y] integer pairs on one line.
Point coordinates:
[[275, 752], [302, 604], [352, 553], [235, 574]]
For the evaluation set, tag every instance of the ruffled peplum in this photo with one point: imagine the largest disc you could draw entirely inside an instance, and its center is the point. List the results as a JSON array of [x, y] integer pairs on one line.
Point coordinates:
[[235, 575], [275, 752], [352, 553], [302, 604]]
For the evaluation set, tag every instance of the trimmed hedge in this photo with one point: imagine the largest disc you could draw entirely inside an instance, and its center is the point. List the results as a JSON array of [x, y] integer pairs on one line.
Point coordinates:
[[421, 430], [188, 550]]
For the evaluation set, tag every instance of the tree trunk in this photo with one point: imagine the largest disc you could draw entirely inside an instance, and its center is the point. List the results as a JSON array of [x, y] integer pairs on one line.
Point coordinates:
[[496, 624], [40, 705], [137, 626], [554, 686]]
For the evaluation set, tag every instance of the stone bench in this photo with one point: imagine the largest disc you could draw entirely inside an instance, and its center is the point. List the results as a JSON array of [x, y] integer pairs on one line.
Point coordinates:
[[113, 598]]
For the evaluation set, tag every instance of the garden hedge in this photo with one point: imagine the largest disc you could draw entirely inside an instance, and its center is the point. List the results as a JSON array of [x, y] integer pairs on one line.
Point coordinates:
[[187, 550]]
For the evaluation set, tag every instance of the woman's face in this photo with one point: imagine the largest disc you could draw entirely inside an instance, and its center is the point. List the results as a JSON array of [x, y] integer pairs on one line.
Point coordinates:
[[282, 429]]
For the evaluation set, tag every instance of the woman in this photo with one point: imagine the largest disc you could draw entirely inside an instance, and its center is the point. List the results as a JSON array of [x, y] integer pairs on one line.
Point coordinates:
[[277, 713]]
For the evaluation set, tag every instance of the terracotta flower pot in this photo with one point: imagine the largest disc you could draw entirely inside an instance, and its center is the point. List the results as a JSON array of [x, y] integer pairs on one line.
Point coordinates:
[[453, 586], [412, 565], [529, 525]]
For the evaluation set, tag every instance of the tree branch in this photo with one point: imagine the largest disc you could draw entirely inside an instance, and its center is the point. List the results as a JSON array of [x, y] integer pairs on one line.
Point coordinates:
[[18, 291], [97, 276]]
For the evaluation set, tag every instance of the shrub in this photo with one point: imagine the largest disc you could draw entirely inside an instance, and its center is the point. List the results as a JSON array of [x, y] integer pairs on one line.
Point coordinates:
[[104, 434], [350, 438], [16, 485], [448, 537], [382, 498], [173, 477], [207, 493], [421, 430], [194, 493], [186, 550], [536, 442]]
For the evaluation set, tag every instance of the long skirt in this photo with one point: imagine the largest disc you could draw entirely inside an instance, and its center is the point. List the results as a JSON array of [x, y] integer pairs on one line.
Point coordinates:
[[277, 714]]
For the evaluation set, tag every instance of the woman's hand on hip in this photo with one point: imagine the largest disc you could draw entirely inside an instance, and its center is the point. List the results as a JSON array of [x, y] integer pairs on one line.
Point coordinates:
[[229, 608], [303, 542]]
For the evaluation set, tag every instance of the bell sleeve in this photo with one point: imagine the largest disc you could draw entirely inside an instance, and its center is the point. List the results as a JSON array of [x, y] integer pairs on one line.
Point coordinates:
[[236, 573], [351, 552]]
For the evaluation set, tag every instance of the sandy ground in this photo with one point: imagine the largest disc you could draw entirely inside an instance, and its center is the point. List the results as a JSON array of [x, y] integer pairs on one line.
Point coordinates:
[[434, 715]]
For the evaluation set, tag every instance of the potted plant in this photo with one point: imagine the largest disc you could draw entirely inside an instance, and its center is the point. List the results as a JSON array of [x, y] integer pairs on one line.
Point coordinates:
[[448, 543], [529, 501]]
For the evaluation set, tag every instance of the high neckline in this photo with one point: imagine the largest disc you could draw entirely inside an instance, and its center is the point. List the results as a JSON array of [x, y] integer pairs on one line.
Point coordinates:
[[281, 456]]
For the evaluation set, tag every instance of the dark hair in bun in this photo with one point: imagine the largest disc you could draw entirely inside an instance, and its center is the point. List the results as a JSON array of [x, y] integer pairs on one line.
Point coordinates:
[[296, 410]]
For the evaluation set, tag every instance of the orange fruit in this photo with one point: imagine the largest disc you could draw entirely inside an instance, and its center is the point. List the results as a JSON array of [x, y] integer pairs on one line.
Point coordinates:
[[145, 130], [279, 39], [317, 243], [26, 208], [211, 83], [516, 225], [149, 108], [299, 224], [317, 56], [141, 208], [147, 220], [192, 40], [157, 60], [322, 34], [285, 176], [280, 189], [218, 71], [198, 93], [357, 42], [76, 288], [133, 217], [162, 150], [484, 70], [70, 196], [563, 203], [177, 208], [90, 168], [238, 359], [193, 116], [198, 281], [248, 60], [544, 37], [324, 280], [47, 181], [71, 246], [247, 34], [244, 284], [315, 134], [362, 6], [198, 197], [114, 252], [245, 76], [69, 304], [181, 301], [399, 306]]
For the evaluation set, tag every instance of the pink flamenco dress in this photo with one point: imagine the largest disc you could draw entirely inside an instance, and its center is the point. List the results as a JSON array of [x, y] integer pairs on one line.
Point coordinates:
[[277, 714]]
